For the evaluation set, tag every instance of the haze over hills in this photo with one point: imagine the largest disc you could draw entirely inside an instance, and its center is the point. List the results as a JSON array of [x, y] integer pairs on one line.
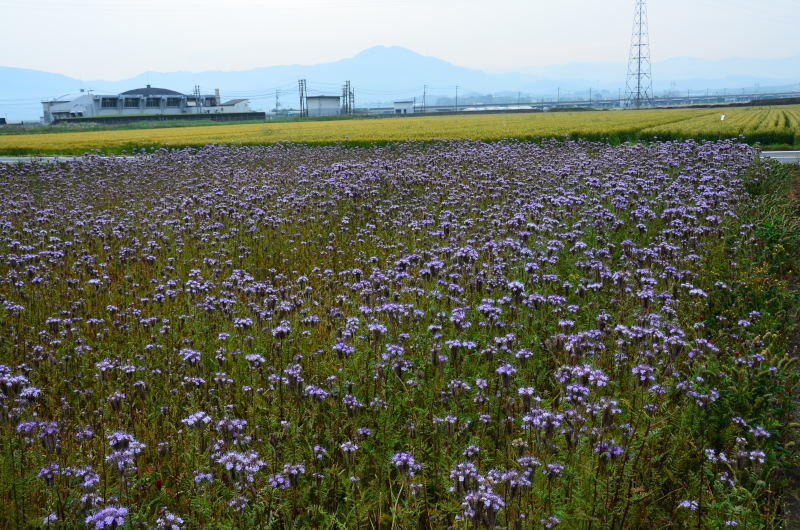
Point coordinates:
[[382, 74]]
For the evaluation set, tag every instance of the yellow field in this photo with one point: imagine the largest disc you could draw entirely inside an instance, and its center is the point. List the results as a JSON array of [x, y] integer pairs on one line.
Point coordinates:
[[768, 125], [746, 121]]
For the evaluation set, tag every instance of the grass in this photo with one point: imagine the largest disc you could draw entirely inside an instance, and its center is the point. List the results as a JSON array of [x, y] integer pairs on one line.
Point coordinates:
[[763, 125]]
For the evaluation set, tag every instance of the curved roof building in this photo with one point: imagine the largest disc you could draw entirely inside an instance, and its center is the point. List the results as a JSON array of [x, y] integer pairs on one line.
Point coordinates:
[[145, 102], [150, 91]]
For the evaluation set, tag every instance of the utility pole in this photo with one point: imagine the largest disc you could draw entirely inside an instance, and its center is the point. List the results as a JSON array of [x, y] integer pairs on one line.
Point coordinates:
[[558, 95], [456, 98], [301, 85], [639, 84], [590, 96], [277, 101], [518, 98], [346, 98], [198, 101], [424, 94]]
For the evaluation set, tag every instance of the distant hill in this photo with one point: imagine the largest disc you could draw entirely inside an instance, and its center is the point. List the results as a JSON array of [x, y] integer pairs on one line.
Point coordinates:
[[381, 74]]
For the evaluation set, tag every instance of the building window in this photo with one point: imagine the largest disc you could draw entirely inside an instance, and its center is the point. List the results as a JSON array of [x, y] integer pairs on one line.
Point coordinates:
[[210, 102], [173, 102], [153, 103], [132, 103], [108, 103]]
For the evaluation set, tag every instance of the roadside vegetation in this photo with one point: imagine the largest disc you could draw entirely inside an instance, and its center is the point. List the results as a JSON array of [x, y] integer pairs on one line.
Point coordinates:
[[78, 127]]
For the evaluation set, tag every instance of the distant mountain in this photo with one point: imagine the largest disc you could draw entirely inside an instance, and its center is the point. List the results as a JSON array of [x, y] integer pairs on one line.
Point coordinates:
[[381, 74]]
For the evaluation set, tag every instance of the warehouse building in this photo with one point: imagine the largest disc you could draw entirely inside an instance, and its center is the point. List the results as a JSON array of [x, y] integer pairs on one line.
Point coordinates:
[[323, 106], [404, 107], [141, 102]]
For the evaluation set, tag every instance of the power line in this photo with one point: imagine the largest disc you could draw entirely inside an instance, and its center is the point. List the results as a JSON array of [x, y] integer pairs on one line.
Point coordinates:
[[639, 82]]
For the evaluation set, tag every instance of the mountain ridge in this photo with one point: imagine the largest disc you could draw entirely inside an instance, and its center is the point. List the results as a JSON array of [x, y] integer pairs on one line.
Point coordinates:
[[380, 74]]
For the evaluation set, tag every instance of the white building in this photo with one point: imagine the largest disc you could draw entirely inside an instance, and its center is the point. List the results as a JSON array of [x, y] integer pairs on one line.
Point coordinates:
[[404, 107], [141, 101], [236, 105], [323, 105]]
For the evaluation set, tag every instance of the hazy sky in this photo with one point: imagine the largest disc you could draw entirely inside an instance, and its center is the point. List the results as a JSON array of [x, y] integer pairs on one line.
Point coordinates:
[[116, 39]]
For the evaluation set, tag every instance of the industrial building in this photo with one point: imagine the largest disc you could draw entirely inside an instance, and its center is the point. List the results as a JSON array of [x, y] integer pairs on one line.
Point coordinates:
[[318, 106], [141, 102], [404, 107]]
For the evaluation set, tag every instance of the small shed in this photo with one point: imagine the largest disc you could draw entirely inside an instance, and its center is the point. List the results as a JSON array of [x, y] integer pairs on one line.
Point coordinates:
[[323, 105], [404, 107]]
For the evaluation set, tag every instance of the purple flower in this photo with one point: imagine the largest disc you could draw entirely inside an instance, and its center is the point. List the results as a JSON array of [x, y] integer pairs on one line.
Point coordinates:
[[279, 481], [198, 419], [482, 506], [364, 432], [643, 372], [553, 470], [316, 392], [406, 463], [189, 356], [506, 370], [49, 473], [471, 451], [169, 521], [281, 331], [294, 470], [124, 449], [201, 476], [608, 450], [348, 447], [255, 360], [241, 465], [550, 522], [108, 517]]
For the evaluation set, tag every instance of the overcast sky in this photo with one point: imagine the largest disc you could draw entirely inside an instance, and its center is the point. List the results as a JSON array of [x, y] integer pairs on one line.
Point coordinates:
[[117, 39]]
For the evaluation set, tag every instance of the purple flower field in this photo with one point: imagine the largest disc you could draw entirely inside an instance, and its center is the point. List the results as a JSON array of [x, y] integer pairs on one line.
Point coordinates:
[[457, 334]]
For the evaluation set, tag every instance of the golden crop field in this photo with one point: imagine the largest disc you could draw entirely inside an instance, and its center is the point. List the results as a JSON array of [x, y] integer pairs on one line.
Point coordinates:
[[765, 124], [768, 125]]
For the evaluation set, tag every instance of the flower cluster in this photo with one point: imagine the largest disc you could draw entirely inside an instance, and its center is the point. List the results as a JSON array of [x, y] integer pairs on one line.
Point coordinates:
[[511, 333]]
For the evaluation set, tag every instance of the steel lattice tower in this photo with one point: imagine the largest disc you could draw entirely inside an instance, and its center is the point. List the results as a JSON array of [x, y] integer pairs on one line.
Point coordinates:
[[639, 85]]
